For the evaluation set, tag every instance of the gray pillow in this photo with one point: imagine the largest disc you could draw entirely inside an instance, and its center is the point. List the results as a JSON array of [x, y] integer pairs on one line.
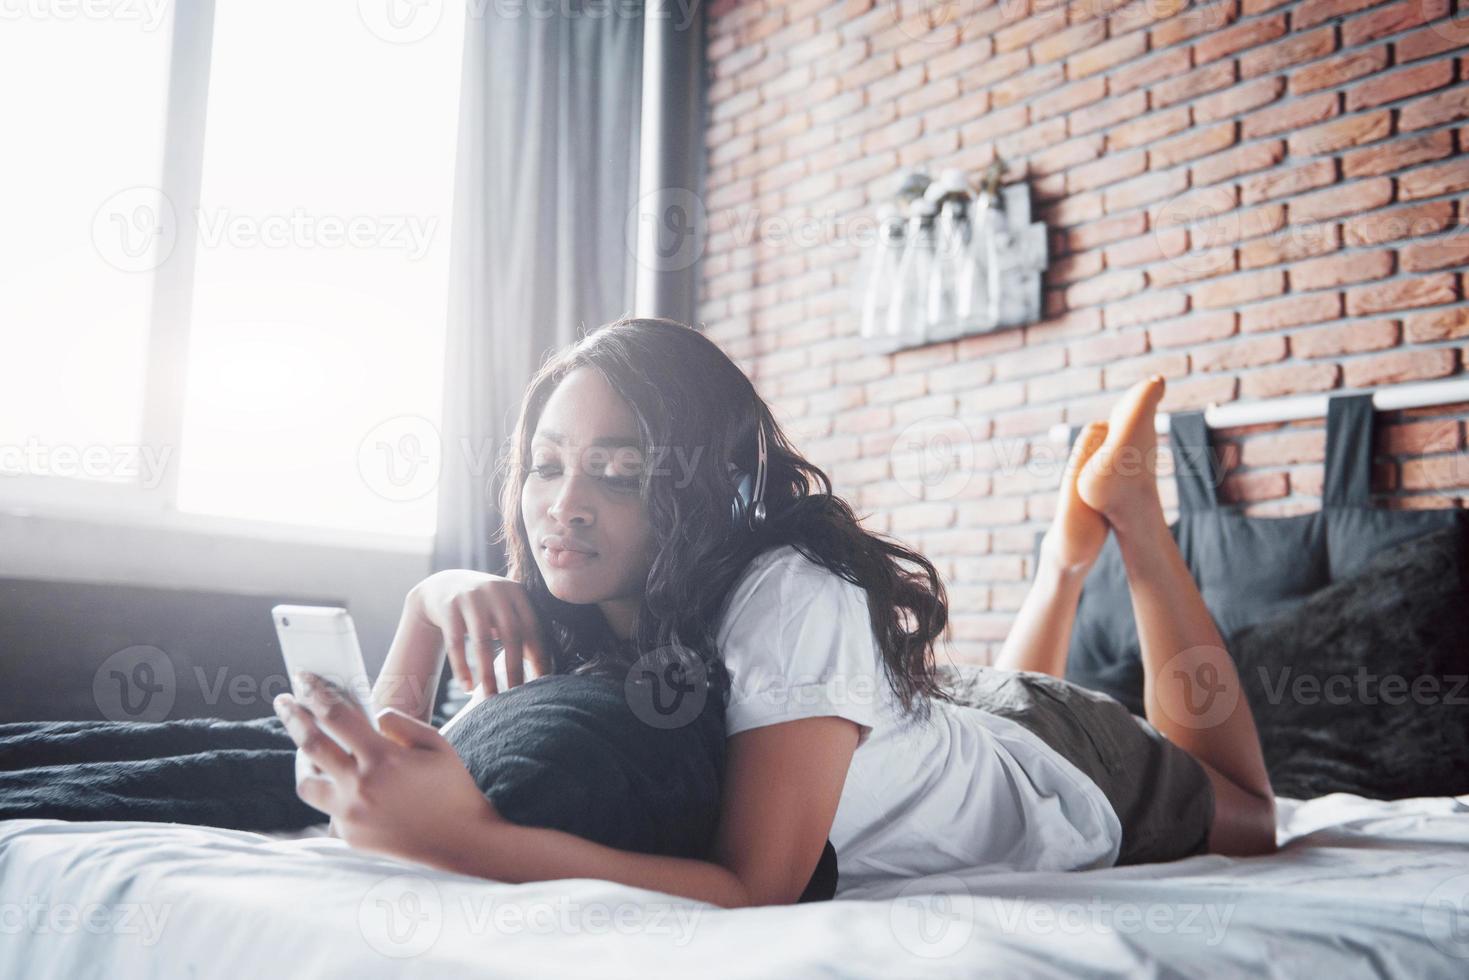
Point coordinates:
[[1364, 686]]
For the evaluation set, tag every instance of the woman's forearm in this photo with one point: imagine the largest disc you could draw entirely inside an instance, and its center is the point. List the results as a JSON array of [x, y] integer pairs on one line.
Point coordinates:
[[509, 852], [1041, 635], [410, 675]]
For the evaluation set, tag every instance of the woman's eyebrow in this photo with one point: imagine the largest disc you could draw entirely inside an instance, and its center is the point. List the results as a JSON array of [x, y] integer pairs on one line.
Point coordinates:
[[615, 441]]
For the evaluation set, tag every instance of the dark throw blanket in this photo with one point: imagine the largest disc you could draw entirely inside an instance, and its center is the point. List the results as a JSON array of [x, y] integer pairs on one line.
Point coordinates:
[[234, 774]]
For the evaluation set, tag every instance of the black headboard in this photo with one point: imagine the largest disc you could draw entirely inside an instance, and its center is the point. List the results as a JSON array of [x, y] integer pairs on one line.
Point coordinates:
[[81, 651]]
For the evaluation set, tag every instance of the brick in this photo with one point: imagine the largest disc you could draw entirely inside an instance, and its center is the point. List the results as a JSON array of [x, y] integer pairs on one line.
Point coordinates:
[[1252, 352], [1199, 328], [1314, 12], [1351, 198], [1402, 152], [1231, 40], [1432, 181], [1147, 128], [1027, 84], [1288, 245], [1146, 189], [1209, 78], [1145, 71], [1424, 43], [1161, 243], [1113, 168], [1399, 366], [1289, 379], [1242, 487], [1239, 289], [1435, 473], [1062, 43], [1339, 270], [1434, 109], [1069, 97], [1339, 70], [1418, 438], [1344, 338], [1238, 99], [1288, 182], [1432, 325], [1429, 290], [1290, 312], [1110, 54], [995, 124], [1391, 19], [1355, 130], [1172, 364], [1400, 84], [1145, 308], [1109, 347], [1105, 288], [1290, 115], [1189, 265], [1100, 232], [1242, 160], [1283, 448], [1437, 253], [1106, 115], [1298, 48], [1191, 146], [1192, 22]]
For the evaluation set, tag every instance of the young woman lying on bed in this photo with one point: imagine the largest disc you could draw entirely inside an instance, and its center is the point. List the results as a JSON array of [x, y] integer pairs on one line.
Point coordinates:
[[838, 724]]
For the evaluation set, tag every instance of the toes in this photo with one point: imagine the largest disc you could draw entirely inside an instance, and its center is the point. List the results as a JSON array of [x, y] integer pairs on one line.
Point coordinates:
[[1088, 441]]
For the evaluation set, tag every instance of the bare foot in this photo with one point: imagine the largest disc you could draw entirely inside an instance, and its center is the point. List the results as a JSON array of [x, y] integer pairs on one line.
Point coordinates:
[[1120, 480], [1077, 532]]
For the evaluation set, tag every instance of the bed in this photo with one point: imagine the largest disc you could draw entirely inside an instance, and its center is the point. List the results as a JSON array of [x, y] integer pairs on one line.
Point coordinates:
[[1361, 887]]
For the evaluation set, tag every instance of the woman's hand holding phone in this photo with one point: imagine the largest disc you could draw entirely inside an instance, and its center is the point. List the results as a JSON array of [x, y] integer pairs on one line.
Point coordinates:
[[473, 609]]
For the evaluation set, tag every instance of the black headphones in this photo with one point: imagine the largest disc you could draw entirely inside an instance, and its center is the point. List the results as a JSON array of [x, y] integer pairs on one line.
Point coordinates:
[[748, 506]]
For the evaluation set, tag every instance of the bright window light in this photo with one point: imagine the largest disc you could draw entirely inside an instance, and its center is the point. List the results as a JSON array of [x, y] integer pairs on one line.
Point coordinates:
[[82, 120], [320, 290]]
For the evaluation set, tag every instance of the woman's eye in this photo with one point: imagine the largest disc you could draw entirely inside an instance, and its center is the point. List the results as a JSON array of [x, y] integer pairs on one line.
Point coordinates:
[[628, 484], [541, 471]]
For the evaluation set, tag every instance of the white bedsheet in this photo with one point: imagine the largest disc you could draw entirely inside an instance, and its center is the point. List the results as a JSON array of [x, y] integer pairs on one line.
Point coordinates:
[[1361, 888]]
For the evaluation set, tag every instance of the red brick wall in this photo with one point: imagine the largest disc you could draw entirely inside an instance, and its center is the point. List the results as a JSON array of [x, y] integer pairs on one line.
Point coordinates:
[[1320, 142]]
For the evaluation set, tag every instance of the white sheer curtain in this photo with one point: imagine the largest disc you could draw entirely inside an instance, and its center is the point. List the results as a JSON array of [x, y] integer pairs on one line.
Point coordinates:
[[547, 175]]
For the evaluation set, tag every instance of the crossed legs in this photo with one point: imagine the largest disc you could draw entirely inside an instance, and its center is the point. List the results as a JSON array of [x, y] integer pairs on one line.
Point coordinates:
[[1191, 691]]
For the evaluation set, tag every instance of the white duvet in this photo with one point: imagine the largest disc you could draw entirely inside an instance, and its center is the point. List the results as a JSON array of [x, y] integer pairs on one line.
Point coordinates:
[[1360, 888]]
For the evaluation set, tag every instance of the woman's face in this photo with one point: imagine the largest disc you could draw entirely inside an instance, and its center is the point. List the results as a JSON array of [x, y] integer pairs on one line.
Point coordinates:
[[582, 492]]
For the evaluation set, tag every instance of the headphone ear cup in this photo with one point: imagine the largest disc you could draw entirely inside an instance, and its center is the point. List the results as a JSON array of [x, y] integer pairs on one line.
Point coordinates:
[[744, 489]]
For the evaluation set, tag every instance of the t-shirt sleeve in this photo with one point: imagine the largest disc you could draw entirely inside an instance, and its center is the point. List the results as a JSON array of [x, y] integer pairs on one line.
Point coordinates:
[[802, 646]]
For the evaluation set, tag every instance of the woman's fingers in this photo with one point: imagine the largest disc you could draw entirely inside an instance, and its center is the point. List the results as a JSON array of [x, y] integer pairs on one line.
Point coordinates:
[[479, 617], [316, 746], [340, 718], [454, 631], [531, 633]]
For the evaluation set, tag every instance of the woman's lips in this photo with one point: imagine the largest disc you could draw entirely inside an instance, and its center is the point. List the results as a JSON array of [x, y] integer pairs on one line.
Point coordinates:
[[566, 558]]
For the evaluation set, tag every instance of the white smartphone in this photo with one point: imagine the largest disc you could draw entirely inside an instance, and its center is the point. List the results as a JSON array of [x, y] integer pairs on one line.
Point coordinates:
[[323, 641]]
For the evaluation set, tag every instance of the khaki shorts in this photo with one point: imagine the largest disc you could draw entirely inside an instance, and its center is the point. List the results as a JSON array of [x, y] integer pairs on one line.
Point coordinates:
[[1162, 795]]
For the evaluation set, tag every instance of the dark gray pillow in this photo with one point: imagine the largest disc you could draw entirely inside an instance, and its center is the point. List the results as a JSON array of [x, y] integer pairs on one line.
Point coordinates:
[[1364, 687], [570, 752]]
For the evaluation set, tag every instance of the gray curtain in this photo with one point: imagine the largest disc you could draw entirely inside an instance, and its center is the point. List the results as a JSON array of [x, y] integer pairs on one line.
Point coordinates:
[[547, 174]]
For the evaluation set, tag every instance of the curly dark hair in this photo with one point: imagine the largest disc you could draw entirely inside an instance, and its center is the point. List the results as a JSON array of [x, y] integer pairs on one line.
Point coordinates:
[[688, 397]]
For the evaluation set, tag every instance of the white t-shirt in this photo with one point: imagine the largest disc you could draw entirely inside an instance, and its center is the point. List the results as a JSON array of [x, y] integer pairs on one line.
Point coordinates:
[[968, 789]]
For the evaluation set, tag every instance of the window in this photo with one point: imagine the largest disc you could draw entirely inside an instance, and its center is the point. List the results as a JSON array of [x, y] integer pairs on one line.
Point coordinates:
[[256, 283]]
